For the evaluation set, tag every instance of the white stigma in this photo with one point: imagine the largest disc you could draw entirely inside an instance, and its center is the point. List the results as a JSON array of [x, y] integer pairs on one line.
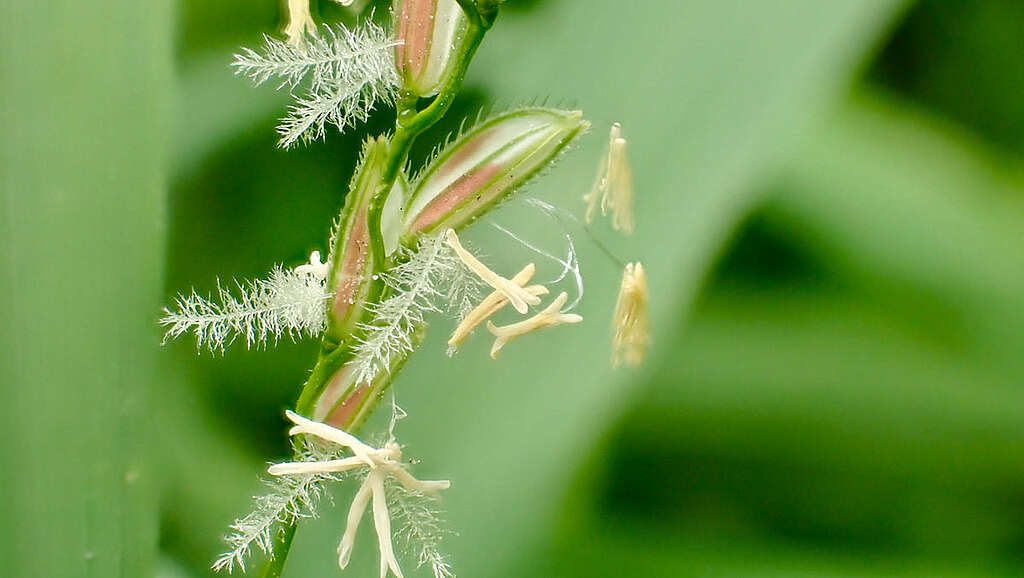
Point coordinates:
[[520, 298], [549, 317]]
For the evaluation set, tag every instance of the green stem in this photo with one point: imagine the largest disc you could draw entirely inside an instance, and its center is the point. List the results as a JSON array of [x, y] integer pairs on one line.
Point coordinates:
[[282, 544], [409, 124], [330, 360]]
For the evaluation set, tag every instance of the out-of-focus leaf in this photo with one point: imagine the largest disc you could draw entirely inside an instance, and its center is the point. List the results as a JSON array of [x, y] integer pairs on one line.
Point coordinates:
[[910, 205], [962, 59], [828, 420], [83, 103], [631, 551], [213, 107], [784, 368], [207, 477], [170, 568], [710, 94]]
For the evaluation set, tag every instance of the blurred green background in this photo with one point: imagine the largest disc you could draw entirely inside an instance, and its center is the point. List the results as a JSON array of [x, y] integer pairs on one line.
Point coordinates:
[[830, 208]]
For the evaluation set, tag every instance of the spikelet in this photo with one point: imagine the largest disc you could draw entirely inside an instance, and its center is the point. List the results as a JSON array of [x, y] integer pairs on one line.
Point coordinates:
[[289, 303]]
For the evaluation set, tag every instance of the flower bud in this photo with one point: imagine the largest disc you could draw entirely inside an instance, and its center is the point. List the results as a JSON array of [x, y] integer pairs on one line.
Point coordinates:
[[351, 261], [429, 32], [483, 166]]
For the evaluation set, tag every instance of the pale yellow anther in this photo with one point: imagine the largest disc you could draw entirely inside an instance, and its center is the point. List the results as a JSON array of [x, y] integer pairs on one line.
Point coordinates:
[[551, 315], [613, 188], [299, 21], [519, 297], [631, 322], [491, 305]]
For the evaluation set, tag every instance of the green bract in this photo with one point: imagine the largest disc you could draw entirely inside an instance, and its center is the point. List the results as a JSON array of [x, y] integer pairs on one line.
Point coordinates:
[[483, 166], [428, 33], [352, 252]]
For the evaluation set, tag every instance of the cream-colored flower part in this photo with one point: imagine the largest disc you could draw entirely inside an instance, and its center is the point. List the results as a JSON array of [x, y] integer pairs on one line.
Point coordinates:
[[519, 297], [491, 305], [631, 323], [613, 188], [315, 267], [551, 315], [299, 21], [381, 463]]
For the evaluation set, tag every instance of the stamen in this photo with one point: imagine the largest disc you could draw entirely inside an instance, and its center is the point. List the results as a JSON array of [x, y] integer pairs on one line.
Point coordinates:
[[619, 192], [595, 197], [631, 321], [613, 188], [519, 297], [550, 316]]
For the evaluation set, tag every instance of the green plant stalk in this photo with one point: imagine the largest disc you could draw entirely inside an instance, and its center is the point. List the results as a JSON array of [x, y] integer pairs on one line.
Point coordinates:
[[331, 358], [409, 124], [282, 545]]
